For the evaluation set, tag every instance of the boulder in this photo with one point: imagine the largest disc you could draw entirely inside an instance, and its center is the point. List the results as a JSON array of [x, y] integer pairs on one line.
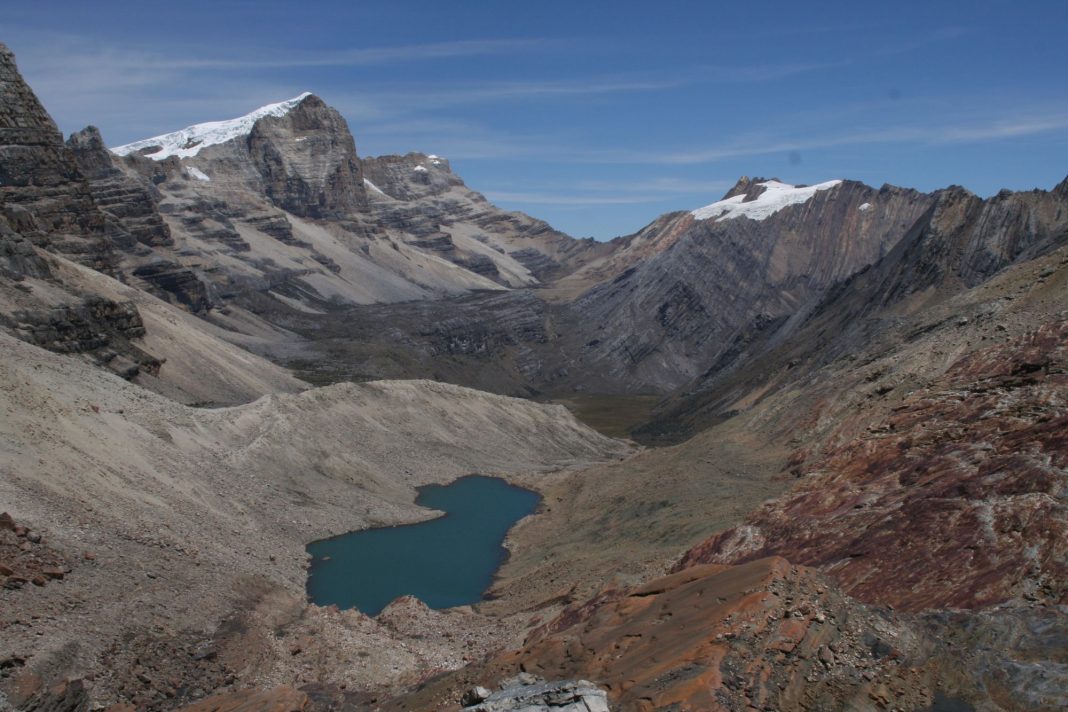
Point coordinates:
[[529, 694], [52, 572], [474, 696]]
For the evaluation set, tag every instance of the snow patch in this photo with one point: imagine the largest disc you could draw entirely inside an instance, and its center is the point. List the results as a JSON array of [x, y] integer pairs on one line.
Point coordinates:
[[374, 187], [775, 197], [190, 140], [420, 169], [196, 173], [864, 207]]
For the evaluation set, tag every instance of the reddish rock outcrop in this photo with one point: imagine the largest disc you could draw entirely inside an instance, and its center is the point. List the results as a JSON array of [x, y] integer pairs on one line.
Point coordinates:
[[279, 699], [953, 500], [764, 635]]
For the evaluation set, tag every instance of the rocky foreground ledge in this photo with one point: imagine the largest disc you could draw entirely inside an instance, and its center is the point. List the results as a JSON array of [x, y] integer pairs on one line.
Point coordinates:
[[527, 693]]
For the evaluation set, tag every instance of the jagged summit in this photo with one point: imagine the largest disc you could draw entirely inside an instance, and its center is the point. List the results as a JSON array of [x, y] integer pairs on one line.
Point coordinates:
[[189, 141], [770, 197]]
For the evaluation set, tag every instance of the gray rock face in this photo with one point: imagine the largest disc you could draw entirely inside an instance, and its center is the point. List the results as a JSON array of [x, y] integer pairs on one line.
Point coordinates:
[[527, 694], [18, 258], [495, 341], [480, 264], [966, 239], [76, 329], [38, 173], [100, 327], [418, 194], [661, 322], [294, 178], [91, 155], [399, 177], [307, 159], [959, 242], [129, 202], [693, 288], [47, 203], [210, 220], [540, 264], [170, 281]]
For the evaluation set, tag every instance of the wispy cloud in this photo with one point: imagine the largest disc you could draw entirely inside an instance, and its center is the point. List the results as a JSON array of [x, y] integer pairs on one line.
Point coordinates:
[[665, 185], [62, 49], [569, 198], [464, 139], [595, 192], [756, 145], [134, 92], [414, 98], [71, 67], [128, 89], [925, 39], [1002, 129], [761, 72], [374, 56]]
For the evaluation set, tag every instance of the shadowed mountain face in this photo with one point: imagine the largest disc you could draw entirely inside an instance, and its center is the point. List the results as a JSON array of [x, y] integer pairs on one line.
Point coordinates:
[[671, 300], [40, 184], [661, 321], [958, 243]]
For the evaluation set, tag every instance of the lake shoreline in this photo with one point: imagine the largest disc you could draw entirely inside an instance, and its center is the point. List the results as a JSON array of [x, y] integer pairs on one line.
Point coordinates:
[[441, 564]]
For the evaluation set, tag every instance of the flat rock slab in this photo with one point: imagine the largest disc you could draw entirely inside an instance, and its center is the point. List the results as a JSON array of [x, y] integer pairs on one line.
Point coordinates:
[[560, 696]]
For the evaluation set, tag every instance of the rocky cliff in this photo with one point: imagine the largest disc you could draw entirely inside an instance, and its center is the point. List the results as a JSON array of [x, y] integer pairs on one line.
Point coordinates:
[[672, 300], [660, 322], [128, 201], [959, 242], [47, 205], [39, 175], [307, 159], [283, 191], [420, 195]]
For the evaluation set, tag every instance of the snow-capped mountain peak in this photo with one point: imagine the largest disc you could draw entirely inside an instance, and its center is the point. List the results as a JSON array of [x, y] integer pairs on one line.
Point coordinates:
[[775, 197], [188, 141]]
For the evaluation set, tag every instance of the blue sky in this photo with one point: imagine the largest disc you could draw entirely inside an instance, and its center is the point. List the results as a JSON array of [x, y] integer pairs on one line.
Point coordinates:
[[594, 116]]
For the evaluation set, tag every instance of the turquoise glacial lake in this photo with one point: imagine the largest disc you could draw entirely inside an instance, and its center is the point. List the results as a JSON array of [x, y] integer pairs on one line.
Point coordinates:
[[444, 562]]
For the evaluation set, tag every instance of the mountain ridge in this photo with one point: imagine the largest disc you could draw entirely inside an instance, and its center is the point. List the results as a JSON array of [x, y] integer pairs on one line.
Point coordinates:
[[188, 142]]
